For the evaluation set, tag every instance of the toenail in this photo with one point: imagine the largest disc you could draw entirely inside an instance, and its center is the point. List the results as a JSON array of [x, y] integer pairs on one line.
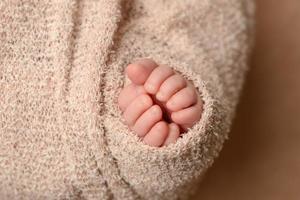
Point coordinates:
[[155, 110], [160, 96], [170, 103], [160, 127], [150, 87], [145, 100]]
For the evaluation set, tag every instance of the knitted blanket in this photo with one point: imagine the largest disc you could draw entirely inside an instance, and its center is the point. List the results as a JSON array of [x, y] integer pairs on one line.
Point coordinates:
[[61, 70]]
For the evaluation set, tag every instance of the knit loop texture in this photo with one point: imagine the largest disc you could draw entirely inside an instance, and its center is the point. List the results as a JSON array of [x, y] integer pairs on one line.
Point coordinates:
[[62, 68]]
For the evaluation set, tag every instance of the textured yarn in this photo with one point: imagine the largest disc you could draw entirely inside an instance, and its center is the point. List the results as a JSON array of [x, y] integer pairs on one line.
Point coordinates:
[[62, 68]]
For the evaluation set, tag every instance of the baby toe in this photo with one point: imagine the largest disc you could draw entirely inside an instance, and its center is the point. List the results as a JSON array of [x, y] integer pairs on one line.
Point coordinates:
[[174, 132], [157, 135], [137, 108], [128, 94], [189, 116], [139, 71], [147, 120], [170, 86], [182, 99], [157, 77]]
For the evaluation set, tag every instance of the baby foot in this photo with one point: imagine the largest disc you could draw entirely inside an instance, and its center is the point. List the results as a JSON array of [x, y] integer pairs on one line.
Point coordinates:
[[159, 104]]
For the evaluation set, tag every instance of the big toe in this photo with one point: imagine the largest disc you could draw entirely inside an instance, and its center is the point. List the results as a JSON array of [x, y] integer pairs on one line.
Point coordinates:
[[139, 71], [157, 135]]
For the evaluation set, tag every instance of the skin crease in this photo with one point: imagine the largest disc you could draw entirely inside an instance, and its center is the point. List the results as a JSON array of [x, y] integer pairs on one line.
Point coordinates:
[[159, 104]]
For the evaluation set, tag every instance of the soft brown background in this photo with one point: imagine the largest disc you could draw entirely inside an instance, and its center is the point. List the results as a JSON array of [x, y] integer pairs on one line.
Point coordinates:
[[261, 161]]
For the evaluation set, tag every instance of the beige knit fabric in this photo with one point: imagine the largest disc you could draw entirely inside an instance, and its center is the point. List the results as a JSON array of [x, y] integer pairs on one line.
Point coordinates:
[[62, 68]]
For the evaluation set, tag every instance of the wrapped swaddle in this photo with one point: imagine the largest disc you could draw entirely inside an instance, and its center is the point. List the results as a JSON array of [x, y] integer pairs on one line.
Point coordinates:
[[62, 69]]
